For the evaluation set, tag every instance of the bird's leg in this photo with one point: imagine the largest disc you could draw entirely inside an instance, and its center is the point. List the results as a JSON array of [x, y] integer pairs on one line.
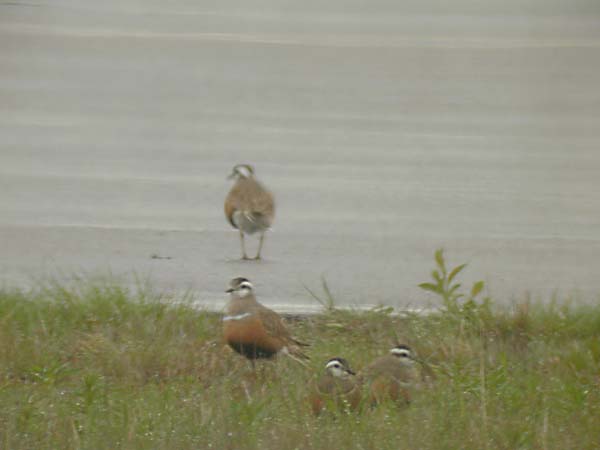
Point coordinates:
[[260, 244], [244, 256]]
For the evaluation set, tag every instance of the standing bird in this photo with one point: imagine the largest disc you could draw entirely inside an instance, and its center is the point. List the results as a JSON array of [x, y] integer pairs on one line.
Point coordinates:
[[391, 376], [249, 207], [254, 330], [337, 389]]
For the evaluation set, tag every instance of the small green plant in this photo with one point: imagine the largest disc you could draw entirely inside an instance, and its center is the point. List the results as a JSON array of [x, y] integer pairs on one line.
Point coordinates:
[[456, 302]]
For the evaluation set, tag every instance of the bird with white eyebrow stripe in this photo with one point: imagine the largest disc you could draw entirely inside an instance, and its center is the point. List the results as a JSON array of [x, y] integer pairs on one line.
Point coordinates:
[[336, 389], [249, 206], [253, 330], [392, 376]]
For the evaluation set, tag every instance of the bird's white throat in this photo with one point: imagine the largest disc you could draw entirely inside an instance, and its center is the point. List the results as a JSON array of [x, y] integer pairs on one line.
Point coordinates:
[[243, 292]]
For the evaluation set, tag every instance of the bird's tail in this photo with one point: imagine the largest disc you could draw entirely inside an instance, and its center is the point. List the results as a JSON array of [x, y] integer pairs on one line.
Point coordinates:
[[301, 344], [296, 354]]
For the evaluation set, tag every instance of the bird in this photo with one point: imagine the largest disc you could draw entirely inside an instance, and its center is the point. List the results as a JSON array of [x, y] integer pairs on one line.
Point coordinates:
[[249, 206], [336, 389], [255, 331], [391, 376]]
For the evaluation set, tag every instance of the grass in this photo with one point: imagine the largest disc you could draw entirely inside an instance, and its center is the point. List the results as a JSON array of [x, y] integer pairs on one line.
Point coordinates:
[[96, 366]]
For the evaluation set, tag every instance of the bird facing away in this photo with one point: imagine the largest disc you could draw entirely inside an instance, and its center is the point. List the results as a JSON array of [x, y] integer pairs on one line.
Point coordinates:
[[337, 389], [254, 330], [249, 207], [391, 376]]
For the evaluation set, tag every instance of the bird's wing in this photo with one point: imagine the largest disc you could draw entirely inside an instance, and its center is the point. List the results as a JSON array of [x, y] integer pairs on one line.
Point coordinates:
[[380, 367], [275, 327], [273, 323], [264, 204], [251, 197]]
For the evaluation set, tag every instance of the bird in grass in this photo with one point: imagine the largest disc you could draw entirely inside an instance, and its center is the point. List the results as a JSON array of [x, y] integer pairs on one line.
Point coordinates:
[[391, 376], [249, 207], [337, 389], [255, 331]]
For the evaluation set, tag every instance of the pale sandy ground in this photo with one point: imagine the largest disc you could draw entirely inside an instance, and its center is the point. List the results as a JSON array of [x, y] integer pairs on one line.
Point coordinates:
[[385, 129]]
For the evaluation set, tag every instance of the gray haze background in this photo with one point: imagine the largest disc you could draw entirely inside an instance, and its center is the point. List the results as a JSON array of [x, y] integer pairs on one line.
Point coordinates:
[[385, 129]]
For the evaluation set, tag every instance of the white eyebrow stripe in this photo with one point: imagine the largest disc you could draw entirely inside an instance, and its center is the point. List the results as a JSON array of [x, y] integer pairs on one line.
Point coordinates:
[[400, 351], [236, 317]]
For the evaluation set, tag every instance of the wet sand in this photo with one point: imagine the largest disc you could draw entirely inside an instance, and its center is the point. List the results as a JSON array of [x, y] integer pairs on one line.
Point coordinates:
[[384, 132]]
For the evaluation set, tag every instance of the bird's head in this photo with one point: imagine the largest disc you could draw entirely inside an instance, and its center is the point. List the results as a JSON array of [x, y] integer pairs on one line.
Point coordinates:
[[403, 353], [241, 171], [339, 367], [240, 287]]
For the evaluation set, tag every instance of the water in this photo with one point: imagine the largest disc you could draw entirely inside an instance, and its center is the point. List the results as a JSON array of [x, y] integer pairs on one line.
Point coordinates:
[[384, 129]]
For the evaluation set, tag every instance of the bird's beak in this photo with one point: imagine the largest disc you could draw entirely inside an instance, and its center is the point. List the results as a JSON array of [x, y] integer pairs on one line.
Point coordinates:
[[231, 176], [229, 291], [351, 372]]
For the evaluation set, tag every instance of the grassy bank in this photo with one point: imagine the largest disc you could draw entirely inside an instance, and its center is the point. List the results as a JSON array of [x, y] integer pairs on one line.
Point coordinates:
[[96, 367]]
